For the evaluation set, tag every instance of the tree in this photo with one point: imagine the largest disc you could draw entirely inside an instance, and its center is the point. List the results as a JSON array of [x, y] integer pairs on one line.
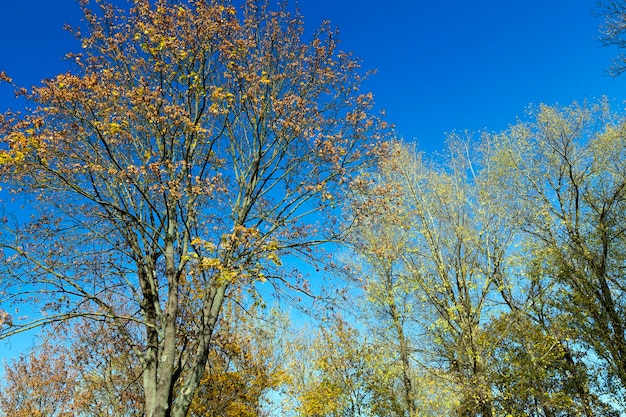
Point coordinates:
[[41, 384], [337, 372], [191, 146], [445, 241], [380, 237], [564, 175], [74, 371], [500, 263], [613, 32]]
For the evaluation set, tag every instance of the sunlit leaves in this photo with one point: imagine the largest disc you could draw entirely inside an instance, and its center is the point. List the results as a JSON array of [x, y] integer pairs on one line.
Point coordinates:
[[244, 368], [336, 373], [563, 178], [191, 147], [435, 243]]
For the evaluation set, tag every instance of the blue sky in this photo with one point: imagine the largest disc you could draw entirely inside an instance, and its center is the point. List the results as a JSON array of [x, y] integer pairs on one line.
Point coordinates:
[[447, 65], [443, 65]]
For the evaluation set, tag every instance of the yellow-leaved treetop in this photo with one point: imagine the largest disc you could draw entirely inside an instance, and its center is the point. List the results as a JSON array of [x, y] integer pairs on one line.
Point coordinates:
[[494, 272]]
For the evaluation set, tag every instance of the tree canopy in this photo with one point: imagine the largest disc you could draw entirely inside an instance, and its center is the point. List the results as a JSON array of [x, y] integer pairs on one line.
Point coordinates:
[[191, 147], [170, 188]]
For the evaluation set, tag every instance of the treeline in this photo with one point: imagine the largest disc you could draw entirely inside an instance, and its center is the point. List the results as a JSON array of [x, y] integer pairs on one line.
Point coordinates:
[[483, 281], [202, 167], [495, 271]]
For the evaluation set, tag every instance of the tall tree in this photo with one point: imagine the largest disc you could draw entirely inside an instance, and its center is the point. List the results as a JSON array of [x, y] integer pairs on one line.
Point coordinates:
[[564, 175], [380, 236], [190, 147], [444, 231]]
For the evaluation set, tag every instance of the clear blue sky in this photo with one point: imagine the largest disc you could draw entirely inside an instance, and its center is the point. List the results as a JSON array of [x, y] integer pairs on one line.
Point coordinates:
[[448, 65], [442, 65]]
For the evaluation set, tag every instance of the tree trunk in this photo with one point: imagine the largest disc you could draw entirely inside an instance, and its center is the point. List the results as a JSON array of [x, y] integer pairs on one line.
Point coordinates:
[[211, 312]]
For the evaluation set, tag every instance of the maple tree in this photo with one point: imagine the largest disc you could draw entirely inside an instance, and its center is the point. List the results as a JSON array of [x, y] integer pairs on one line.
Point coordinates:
[[190, 148]]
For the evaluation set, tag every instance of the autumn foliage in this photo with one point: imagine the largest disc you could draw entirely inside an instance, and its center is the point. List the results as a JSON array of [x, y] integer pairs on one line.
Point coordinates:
[[168, 190], [493, 272], [185, 153]]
